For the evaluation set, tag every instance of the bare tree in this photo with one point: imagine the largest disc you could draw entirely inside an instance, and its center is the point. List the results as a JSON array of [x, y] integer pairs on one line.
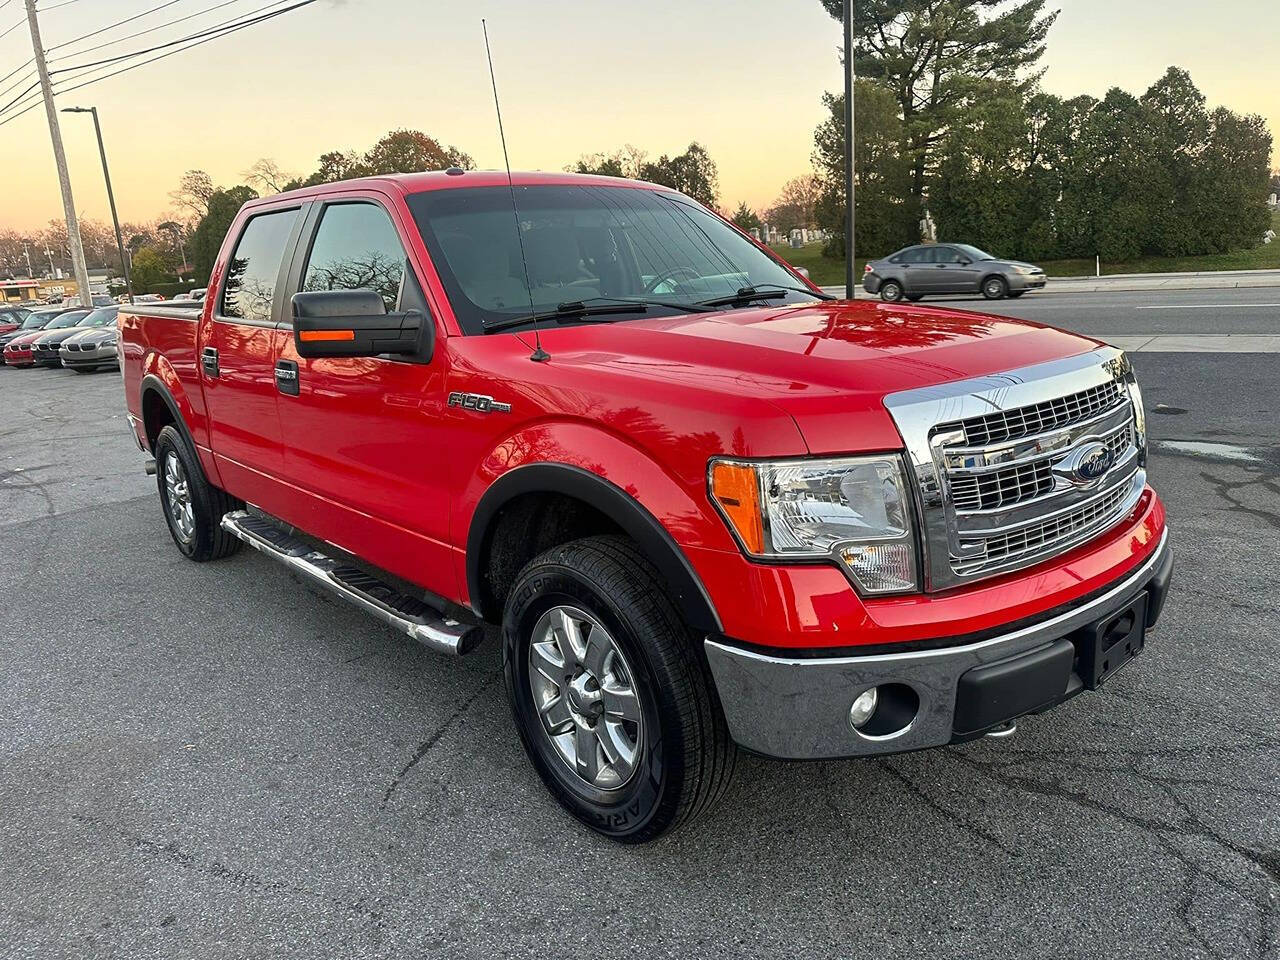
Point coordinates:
[[267, 176], [193, 193]]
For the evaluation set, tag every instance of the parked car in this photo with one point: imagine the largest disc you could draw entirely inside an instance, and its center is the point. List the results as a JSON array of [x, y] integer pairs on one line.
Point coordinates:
[[937, 268], [708, 506], [20, 339], [93, 344], [44, 346], [11, 318]]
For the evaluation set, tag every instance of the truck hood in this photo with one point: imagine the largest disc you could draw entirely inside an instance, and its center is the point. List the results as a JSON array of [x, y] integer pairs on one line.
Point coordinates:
[[828, 365]]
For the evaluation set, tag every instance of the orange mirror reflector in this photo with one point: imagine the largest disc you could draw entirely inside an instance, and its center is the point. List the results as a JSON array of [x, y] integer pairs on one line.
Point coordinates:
[[309, 336]]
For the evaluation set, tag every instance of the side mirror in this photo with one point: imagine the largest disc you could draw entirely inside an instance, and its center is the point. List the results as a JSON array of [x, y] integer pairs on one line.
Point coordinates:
[[803, 271], [355, 323], [964, 261]]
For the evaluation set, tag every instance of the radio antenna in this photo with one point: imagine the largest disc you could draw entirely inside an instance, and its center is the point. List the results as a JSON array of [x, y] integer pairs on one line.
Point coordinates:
[[539, 355]]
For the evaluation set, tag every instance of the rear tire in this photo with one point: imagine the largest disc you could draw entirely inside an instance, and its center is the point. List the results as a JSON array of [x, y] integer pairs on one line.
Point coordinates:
[[995, 288], [612, 698], [193, 507], [891, 291]]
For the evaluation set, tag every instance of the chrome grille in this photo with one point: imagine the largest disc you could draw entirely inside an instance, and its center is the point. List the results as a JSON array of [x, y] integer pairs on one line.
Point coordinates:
[[1040, 417], [1019, 484], [997, 463], [1033, 539]]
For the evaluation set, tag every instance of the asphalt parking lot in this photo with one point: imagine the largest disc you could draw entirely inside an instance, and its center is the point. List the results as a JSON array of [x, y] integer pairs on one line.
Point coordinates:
[[214, 761]]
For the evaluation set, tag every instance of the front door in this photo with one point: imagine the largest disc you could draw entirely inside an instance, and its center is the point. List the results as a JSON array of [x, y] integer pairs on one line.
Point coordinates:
[[237, 357], [364, 440], [954, 272]]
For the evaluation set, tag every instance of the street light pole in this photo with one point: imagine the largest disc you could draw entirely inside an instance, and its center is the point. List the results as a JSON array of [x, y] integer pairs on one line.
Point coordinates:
[[111, 197], [850, 210], [59, 159]]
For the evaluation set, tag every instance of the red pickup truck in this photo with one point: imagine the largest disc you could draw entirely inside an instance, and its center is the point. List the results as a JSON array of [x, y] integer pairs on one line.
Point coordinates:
[[709, 506]]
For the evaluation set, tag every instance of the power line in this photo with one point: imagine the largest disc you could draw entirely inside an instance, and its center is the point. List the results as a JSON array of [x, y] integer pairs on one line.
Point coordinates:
[[9, 29], [30, 61], [133, 66], [198, 39], [112, 26], [64, 3], [203, 33], [26, 76], [131, 36]]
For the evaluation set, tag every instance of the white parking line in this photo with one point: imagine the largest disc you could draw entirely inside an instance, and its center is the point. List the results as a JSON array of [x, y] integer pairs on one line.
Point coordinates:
[[1204, 306], [1193, 343]]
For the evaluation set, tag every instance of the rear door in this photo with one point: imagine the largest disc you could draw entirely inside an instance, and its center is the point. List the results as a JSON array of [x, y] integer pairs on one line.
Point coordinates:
[[238, 354], [917, 272], [365, 442]]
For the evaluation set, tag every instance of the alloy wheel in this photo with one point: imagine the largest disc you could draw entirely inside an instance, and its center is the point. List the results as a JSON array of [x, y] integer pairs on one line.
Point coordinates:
[[177, 491], [585, 697]]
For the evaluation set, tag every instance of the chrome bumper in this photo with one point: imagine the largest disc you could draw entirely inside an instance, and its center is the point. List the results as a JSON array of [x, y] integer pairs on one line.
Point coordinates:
[[798, 709]]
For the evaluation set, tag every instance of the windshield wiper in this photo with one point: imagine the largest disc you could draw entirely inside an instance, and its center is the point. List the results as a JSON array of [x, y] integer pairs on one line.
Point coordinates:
[[764, 291], [592, 307]]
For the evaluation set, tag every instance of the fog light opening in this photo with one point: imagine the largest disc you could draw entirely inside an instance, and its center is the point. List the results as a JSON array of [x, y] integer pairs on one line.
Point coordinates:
[[884, 712], [863, 708]]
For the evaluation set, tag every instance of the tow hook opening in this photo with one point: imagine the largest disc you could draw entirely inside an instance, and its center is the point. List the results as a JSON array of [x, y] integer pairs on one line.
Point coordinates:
[[884, 712]]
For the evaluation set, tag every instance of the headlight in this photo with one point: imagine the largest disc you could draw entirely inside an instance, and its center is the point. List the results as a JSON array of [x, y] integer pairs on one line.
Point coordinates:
[[855, 511], [1026, 271], [1139, 412]]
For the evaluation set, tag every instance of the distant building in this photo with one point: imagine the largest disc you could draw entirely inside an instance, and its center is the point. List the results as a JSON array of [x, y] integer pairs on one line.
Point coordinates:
[[13, 291]]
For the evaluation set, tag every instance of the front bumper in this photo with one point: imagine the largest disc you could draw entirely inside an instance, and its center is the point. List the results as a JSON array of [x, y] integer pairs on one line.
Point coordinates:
[[18, 358], [798, 709], [1022, 281], [97, 357]]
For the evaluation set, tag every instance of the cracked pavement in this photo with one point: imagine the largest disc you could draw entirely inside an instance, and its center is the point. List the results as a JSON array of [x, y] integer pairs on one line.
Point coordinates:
[[219, 761]]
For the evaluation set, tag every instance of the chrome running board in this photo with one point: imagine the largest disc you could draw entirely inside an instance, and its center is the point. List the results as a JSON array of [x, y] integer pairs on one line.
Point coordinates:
[[412, 616]]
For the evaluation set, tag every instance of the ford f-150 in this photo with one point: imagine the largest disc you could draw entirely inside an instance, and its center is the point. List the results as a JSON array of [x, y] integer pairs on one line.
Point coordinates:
[[709, 506]]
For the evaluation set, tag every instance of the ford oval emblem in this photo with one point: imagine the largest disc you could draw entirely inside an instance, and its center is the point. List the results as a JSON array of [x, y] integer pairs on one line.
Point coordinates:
[[1087, 463]]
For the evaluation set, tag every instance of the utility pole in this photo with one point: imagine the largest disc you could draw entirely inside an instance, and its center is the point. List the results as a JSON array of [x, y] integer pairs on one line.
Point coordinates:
[[111, 198], [850, 278], [26, 249], [60, 159]]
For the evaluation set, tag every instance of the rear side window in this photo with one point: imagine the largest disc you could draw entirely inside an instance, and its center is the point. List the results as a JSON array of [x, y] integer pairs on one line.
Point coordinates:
[[250, 287], [913, 255], [356, 248]]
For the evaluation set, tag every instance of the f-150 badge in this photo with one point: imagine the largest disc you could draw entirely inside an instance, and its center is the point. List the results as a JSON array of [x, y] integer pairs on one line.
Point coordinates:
[[478, 402]]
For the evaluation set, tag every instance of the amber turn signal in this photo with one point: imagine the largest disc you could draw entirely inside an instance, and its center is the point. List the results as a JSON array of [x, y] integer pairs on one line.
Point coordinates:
[[311, 336], [737, 492]]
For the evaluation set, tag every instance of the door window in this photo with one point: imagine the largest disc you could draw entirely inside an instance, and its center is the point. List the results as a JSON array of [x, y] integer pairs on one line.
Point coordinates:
[[915, 255], [250, 288], [946, 255], [357, 248]]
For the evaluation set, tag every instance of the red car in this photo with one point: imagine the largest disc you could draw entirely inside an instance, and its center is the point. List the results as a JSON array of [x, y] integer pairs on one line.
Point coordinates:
[[708, 506], [11, 318]]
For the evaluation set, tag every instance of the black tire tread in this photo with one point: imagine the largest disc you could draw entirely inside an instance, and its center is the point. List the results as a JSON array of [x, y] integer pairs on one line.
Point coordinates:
[[211, 502], [627, 577]]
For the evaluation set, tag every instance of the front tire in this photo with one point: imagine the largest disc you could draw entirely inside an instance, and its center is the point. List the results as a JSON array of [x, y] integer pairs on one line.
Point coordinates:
[[193, 507], [995, 288], [611, 696], [891, 291]]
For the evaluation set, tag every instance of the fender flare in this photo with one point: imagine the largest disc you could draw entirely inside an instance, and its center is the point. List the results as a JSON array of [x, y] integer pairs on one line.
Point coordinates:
[[687, 591], [151, 382]]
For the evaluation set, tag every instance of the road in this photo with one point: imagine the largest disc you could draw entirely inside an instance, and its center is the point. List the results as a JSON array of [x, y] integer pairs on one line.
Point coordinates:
[[215, 761], [1246, 310]]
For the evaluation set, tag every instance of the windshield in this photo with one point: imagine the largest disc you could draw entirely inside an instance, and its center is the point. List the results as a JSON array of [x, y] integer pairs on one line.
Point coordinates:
[[100, 318], [584, 242], [972, 252], [70, 319], [35, 321]]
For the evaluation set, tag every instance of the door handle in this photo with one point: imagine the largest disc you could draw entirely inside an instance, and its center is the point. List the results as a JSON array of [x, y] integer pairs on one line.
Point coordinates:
[[287, 377], [209, 361]]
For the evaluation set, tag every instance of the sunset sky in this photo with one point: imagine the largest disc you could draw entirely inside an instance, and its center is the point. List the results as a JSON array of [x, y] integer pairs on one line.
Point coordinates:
[[744, 77]]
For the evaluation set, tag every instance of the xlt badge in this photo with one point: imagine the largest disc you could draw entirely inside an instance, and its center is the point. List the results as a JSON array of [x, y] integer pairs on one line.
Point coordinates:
[[478, 402]]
